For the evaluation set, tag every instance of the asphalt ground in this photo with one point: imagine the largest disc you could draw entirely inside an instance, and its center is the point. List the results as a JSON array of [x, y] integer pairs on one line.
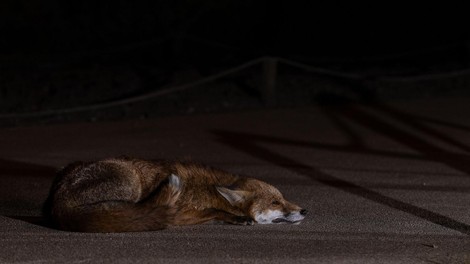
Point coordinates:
[[385, 183]]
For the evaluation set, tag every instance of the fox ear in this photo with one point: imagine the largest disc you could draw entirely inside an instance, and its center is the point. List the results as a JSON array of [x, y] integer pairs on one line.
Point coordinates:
[[234, 197]]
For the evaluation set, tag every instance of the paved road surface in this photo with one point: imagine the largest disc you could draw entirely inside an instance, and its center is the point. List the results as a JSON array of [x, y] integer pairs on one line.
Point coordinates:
[[383, 184]]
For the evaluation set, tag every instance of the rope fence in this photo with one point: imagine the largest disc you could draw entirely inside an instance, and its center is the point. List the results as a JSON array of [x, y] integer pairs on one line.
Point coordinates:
[[270, 72]]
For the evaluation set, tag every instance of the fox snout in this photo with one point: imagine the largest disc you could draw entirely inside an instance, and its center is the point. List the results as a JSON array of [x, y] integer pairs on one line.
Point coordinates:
[[302, 212], [292, 217], [277, 216]]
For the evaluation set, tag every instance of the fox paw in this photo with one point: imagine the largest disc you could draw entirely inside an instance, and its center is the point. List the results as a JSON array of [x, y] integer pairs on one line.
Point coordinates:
[[243, 220]]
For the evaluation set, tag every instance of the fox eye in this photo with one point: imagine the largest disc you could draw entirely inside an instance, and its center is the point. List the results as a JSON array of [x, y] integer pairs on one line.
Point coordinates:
[[275, 202]]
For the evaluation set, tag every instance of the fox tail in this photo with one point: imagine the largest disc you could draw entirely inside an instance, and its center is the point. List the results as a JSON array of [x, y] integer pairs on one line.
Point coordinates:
[[154, 213]]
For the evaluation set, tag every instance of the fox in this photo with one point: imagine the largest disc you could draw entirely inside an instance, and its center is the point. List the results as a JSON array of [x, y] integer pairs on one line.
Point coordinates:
[[134, 195]]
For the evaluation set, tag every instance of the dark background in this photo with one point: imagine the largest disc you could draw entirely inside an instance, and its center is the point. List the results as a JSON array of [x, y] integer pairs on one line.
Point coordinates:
[[60, 54]]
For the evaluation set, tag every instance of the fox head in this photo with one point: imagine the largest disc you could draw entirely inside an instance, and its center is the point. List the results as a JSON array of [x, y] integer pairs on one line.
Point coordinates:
[[262, 202]]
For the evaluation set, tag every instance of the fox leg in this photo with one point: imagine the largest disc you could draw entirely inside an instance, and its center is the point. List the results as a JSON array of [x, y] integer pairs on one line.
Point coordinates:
[[193, 217], [230, 218]]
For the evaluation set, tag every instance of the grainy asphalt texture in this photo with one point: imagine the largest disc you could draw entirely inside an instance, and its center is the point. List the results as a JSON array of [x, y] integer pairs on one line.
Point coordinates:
[[383, 184]]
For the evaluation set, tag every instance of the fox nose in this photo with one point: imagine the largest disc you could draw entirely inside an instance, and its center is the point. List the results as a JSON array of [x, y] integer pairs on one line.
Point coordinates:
[[303, 211]]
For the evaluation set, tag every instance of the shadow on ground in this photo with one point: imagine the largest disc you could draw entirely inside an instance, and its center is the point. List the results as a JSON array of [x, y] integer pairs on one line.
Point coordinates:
[[21, 171], [362, 114]]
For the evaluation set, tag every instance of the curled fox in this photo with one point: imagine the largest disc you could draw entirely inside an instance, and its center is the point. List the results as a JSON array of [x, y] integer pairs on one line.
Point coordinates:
[[127, 195]]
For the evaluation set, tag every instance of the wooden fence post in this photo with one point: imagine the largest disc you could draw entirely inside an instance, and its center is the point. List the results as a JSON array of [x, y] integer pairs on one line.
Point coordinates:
[[268, 89]]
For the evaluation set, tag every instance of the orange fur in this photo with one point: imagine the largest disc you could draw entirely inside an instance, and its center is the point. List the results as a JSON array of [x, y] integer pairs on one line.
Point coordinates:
[[123, 195]]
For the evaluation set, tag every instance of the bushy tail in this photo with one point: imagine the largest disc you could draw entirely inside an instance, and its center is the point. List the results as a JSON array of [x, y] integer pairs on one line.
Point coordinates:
[[120, 216]]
